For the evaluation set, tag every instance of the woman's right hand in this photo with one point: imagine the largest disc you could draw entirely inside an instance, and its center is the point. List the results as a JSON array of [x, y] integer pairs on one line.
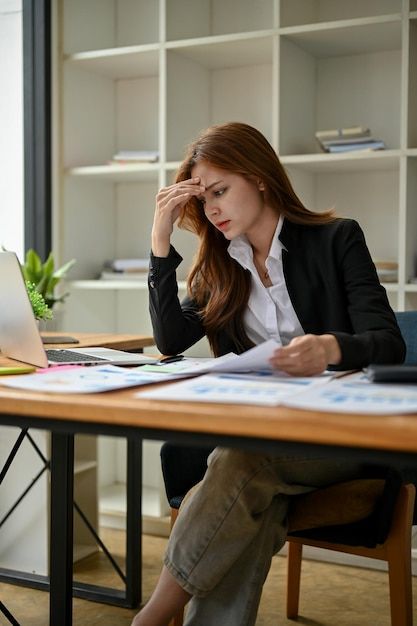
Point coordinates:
[[169, 202]]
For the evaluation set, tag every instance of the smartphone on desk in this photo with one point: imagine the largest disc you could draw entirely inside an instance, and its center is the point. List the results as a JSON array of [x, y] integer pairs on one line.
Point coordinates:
[[392, 373]]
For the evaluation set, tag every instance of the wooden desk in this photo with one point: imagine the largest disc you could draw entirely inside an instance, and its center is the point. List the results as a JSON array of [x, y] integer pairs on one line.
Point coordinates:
[[390, 439], [130, 343]]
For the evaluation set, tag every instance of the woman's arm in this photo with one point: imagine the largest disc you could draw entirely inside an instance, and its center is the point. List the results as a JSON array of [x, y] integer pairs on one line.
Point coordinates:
[[376, 337], [340, 302], [176, 326], [169, 202]]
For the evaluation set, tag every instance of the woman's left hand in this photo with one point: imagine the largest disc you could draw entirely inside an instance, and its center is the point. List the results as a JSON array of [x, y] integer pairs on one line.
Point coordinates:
[[308, 355]]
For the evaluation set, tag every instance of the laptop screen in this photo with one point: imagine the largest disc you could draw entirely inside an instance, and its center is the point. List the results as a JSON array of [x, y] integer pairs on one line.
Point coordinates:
[[19, 334]]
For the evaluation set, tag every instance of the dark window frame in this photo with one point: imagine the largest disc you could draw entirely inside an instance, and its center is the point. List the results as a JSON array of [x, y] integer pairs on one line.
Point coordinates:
[[37, 125]]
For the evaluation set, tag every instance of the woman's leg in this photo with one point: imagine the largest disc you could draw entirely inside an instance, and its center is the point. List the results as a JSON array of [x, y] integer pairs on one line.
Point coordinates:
[[222, 518], [235, 600], [167, 599], [226, 511]]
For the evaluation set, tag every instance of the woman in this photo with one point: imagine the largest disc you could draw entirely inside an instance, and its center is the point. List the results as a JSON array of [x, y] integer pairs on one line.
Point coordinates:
[[266, 267]]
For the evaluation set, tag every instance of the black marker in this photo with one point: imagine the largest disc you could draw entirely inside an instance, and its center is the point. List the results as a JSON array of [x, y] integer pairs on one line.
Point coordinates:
[[171, 359]]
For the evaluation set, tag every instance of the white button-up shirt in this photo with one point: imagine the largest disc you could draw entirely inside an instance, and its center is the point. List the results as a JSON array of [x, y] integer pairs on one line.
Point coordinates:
[[270, 313]]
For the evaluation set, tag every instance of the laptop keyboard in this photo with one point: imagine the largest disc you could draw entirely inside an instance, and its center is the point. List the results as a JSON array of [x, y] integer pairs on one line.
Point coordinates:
[[64, 356]]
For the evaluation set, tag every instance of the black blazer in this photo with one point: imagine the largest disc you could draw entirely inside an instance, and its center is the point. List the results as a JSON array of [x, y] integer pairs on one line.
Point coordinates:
[[332, 284]]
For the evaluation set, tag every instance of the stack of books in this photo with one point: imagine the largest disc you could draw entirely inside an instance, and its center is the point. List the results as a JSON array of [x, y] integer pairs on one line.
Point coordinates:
[[387, 270], [135, 156], [348, 140], [125, 269]]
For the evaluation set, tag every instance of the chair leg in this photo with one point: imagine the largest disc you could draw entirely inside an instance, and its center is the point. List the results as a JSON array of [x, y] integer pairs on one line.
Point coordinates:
[[294, 558], [178, 619], [398, 549]]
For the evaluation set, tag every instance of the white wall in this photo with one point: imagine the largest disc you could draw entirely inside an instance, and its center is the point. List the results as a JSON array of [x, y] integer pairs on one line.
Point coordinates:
[[24, 536], [11, 126]]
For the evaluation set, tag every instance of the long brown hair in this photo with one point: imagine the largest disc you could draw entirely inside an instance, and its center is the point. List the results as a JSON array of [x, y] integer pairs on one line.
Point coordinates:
[[217, 282]]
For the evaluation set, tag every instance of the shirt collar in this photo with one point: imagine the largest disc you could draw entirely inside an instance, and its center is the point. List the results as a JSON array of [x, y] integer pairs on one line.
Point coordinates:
[[240, 249]]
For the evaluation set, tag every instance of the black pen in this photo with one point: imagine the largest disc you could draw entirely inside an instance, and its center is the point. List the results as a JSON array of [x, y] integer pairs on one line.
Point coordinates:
[[171, 359]]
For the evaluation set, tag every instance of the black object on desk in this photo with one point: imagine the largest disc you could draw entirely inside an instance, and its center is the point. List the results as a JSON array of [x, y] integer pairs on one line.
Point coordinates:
[[392, 373], [170, 359], [59, 339]]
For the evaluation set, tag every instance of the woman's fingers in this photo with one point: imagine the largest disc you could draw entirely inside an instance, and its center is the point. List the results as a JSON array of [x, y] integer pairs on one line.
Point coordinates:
[[191, 186], [169, 202], [303, 356], [174, 197]]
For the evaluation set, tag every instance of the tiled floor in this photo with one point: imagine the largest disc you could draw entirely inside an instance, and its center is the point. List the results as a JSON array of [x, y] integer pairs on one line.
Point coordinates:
[[331, 595]]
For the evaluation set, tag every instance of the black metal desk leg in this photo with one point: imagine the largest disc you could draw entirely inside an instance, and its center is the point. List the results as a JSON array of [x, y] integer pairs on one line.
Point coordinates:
[[134, 523], [61, 525]]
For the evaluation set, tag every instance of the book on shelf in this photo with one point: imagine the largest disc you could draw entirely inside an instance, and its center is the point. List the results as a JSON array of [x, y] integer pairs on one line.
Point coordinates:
[[125, 269], [387, 270], [127, 265], [345, 141], [348, 140], [109, 275], [135, 156], [351, 132], [375, 144]]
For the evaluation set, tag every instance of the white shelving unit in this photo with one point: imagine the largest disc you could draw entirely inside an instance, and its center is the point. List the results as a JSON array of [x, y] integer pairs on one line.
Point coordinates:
[[154, 73], [150, 74]]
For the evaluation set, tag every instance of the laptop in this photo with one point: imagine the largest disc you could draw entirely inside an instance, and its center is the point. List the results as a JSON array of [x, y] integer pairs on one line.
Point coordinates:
[[19, 334]]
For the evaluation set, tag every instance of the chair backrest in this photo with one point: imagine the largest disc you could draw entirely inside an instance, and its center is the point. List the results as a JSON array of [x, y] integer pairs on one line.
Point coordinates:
[[407, 321]]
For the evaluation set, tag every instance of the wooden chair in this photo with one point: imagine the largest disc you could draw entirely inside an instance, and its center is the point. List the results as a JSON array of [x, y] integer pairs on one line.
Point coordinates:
[[395, 550]]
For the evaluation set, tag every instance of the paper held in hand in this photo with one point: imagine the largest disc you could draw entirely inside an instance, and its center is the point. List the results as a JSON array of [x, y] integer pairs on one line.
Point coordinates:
[[254, 360]]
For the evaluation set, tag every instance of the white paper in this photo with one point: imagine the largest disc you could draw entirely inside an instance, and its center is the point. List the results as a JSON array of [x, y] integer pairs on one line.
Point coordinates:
[[77, 379], [261, 389], [357, 397], [255, 359]]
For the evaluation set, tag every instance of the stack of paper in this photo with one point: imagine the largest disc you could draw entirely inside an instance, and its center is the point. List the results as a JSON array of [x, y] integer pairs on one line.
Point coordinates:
[[261, 389], [348, 140], [78, 379], [125, 269], [136, 156]]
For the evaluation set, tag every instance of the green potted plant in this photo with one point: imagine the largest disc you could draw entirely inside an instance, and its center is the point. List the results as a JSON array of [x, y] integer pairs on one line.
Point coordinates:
[[40, 309], [44, 277]]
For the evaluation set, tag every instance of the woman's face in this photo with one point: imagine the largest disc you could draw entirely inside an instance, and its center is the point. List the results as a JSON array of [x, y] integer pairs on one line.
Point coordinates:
[[233, 204]]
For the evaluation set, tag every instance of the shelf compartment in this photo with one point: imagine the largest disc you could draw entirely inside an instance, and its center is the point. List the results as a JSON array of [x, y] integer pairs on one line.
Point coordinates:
[[347, 38], [118, 215], [337, 92], [240, 89], [316, 11], [127, 62], [94, 24], [187, 19], [102, 115]]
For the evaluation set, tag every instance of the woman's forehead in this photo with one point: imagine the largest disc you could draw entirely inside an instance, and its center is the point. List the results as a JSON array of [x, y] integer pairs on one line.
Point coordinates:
[[208, 172]]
